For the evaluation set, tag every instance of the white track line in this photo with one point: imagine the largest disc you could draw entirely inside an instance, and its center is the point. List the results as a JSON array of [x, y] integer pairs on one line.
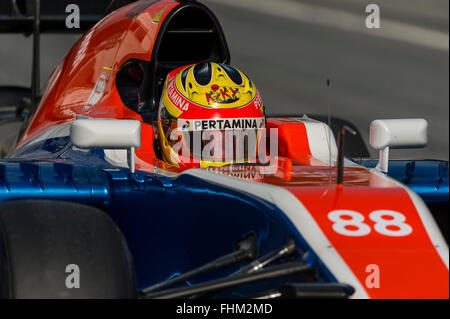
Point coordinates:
[[343, 20]]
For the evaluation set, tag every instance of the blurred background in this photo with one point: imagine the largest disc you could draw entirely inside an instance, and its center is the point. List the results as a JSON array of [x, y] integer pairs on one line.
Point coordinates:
[[290, 47]]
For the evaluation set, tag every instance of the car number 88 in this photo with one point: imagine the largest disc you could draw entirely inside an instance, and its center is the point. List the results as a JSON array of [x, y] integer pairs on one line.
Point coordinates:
[[387, 222]]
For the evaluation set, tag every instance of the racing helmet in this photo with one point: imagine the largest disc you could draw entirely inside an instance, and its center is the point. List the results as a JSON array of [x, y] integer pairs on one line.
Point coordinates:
[[210, 114]]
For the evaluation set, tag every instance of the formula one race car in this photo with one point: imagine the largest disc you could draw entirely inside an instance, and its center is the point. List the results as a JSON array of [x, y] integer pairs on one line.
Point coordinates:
[[97, 202]]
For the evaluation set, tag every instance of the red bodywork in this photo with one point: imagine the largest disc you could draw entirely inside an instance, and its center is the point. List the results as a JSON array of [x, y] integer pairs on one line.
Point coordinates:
[[410, 266], [126, 33]]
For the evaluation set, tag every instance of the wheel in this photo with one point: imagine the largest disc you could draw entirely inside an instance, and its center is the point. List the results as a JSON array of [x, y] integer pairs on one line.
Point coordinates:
[[54, 249]]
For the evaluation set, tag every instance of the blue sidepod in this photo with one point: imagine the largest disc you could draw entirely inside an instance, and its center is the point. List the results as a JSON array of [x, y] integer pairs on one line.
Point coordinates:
[[428, 178], [171, 224], [175, 224]]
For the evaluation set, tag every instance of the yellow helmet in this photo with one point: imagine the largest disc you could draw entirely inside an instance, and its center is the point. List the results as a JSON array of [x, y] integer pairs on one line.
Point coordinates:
[[200, 106]]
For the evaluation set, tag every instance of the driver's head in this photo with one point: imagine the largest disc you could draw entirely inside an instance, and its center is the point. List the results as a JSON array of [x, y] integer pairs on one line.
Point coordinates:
[[209, 115]]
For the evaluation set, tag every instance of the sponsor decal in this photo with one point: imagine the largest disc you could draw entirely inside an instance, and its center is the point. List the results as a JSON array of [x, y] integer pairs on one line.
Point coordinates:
[[97, 92], [158, 16], [221, 124], [186, 125], [217, 94], [179, 101], [258, 102], [245, 172], [222, 95]]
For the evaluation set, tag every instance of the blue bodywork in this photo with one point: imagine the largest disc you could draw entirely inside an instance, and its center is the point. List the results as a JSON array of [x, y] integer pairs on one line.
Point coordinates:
[[428, 178], [171, 224], [175, 224]]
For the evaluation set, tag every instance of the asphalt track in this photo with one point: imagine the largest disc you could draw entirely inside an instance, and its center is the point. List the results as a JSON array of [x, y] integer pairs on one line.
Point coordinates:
[[289, 48]]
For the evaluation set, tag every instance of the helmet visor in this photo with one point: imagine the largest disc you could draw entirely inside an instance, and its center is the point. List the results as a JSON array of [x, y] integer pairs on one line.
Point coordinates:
[[220, 140]]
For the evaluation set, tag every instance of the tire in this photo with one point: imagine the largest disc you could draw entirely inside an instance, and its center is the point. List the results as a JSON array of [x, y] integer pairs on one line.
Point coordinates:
[[39, 239]]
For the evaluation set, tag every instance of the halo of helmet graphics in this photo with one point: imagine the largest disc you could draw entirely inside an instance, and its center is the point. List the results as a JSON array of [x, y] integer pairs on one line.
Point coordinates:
[[211, 115]]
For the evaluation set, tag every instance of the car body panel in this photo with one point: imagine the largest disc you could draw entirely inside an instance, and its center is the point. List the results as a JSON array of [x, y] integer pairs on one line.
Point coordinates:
[[175, 220]]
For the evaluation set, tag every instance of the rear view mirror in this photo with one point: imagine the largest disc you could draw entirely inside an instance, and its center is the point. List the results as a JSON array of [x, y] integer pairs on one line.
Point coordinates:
[[108, 134], [400, 133]]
